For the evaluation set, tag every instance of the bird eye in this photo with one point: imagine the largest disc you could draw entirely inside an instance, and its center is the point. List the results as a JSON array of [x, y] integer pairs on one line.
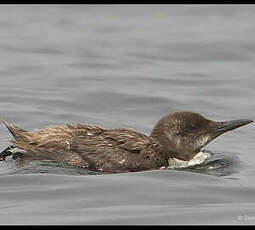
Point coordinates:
[[186, 129], [189, 127]]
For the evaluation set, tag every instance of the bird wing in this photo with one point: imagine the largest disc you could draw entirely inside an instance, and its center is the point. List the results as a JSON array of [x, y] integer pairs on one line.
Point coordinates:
[[119, 150], [107, 150]]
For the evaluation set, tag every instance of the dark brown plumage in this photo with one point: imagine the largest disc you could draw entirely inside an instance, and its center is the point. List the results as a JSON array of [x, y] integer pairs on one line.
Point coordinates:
[[178, 135]]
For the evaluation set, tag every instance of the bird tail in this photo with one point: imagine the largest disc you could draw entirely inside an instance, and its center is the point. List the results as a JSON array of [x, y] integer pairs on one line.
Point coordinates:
[[17, 133], [14, 130]]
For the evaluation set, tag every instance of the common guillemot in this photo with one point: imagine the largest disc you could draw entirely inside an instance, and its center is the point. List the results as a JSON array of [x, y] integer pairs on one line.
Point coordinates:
[[179, 135]]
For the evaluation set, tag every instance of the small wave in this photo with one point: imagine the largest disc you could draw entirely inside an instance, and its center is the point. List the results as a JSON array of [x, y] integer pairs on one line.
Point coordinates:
[[9, 166], [208, 162], [205, 162]]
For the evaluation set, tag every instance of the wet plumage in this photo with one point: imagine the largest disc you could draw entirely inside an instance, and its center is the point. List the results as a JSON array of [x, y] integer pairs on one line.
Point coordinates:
[[178, 135], [107, 150]]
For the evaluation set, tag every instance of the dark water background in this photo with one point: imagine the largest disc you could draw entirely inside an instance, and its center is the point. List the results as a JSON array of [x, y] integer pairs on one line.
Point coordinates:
[[126, 66]]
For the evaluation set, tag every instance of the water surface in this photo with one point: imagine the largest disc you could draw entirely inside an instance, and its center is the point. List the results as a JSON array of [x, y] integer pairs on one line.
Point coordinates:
[[126, 66]]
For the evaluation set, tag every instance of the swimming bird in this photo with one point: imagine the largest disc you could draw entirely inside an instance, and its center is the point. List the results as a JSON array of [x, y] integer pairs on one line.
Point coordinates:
[[179, 135]]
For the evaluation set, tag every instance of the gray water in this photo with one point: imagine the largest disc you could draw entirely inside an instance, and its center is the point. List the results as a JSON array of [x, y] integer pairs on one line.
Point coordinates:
[[127, 66]]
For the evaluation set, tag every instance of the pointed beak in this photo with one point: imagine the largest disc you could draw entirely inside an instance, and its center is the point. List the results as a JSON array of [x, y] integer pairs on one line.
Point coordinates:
[[222, 127]]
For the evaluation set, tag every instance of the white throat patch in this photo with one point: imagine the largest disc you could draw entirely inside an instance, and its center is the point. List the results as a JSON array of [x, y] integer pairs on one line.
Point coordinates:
[[197, 159]]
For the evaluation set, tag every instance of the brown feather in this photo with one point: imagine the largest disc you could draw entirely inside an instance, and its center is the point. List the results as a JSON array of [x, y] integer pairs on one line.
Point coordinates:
[[178, 135], [106, 150]]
